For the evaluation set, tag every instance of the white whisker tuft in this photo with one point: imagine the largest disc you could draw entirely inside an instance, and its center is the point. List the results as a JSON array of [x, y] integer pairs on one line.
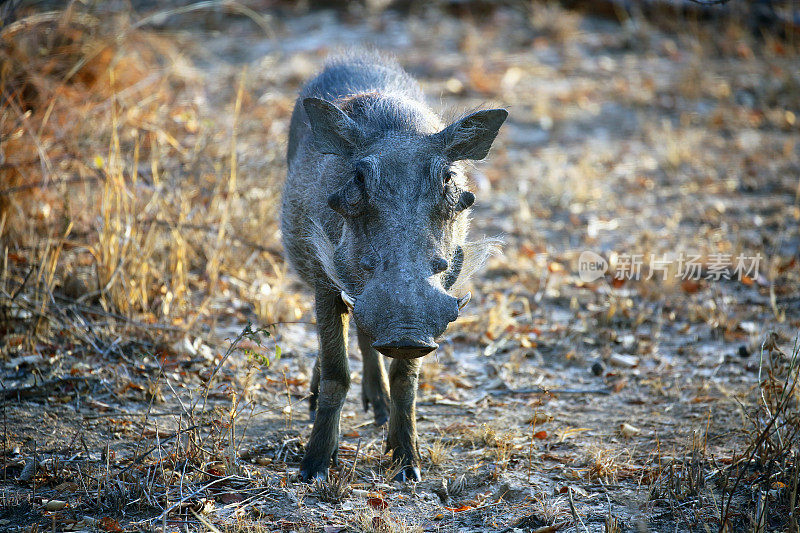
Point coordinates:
[[324, 251], [476, 253]]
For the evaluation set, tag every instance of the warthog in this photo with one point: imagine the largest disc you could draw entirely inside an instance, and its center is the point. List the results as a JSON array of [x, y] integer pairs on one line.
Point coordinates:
[[374, 219]]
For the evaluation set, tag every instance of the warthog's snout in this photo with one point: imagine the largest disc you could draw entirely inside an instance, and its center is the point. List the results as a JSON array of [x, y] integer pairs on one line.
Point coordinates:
[[405, 326], [406, 348]]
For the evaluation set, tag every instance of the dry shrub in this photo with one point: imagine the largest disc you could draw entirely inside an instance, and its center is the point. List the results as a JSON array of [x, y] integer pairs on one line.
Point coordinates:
[[768, 471], [439, 453], [120, 188], [370, 520], [758, 486]]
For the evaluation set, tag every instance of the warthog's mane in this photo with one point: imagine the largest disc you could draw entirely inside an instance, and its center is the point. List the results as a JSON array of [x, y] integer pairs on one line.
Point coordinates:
[[380, 112]]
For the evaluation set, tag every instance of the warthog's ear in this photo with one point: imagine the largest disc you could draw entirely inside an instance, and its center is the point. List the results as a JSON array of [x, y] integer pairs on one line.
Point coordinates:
[[334, 132], [472, 136]]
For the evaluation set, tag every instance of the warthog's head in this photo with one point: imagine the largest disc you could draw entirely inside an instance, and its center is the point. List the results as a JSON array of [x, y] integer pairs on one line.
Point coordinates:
[[404, 206]]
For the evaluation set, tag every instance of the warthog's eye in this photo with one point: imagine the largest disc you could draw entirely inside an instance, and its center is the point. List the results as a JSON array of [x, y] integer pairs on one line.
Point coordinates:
[[449, 174], [349, 200]]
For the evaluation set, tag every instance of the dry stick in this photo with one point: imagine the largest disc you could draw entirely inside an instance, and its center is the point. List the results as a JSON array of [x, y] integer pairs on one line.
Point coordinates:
[[246, 424], [141, 457], [355, 460], [22, 285], [211, 229], [129, 321], [227, 354], [147, 413], [42, 183], [530, 448], [710, 2], [5, 442], [231, 455], [793, 500], [193, 494], [33, 477], [288, 401], [46, 164], [575, 516], [250, 500], [205, 522], [551, 528], [43, 387], [161, 467]]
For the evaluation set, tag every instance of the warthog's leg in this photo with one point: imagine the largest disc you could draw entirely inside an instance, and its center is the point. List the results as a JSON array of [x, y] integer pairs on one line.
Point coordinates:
[[403, 379], [333, 384], [312, 400], [374, 384]]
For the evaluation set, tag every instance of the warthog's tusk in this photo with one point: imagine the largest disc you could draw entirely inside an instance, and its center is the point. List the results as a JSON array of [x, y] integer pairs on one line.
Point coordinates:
[[349, 302], [464, 300]]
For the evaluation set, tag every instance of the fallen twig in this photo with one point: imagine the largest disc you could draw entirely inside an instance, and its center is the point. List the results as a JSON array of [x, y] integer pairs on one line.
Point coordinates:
[[42, 388], [542, 390]]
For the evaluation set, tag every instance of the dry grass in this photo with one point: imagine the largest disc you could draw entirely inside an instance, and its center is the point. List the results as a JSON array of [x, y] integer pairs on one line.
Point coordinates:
[[439, 453], [117, 192], [757, 485], [370, 520], [770, 466]]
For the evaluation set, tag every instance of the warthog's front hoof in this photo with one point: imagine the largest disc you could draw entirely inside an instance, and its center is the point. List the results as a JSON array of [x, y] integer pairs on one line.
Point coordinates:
[[408, 473], [312, 469]]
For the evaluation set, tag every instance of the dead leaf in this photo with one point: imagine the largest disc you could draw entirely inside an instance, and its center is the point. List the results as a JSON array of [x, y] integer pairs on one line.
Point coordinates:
[[539, 418], [109, 524], [229, 498], [377, 503], [703, 399], [690, 286], [460, 509], [569, 432], [576, 490], [623, 361]]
